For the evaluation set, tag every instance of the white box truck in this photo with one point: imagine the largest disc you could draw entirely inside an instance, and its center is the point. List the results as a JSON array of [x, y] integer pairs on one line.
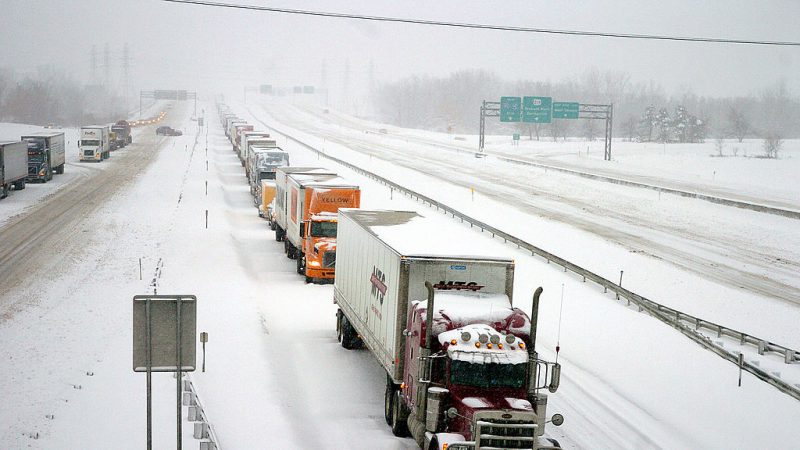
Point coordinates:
[[438, 316], [13, 166], [95, 144], [282, 203]]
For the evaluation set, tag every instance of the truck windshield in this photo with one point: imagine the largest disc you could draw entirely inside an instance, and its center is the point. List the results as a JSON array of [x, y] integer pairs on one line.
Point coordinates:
[[266, 175], [35, 155], [487, 375], [90, 142], [273, 159], [323, 229]]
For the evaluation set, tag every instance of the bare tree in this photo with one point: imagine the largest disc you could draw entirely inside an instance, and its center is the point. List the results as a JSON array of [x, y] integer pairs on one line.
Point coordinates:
[[589, 129], [738, 125], [630, 128], [772, 145]]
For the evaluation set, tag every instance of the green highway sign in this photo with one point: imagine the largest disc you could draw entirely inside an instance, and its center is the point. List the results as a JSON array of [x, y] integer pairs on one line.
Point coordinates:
[[537, 109], [510, 109], [565, 110]]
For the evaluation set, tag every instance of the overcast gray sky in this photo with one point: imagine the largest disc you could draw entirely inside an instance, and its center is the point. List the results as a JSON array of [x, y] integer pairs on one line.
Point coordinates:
[[208, 49]]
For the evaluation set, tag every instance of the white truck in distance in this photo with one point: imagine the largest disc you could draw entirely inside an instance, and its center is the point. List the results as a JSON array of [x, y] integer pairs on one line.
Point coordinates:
[[95, 144]]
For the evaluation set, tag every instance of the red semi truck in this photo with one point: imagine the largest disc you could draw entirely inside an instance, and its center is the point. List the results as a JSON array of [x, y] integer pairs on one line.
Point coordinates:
[[471, 380]]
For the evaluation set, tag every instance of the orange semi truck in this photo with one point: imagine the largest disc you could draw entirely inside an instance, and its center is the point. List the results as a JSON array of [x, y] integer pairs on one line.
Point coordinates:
[[313, 206]]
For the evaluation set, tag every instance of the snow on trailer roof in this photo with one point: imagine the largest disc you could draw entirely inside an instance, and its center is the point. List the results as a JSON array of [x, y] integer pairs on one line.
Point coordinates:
[[322, 180], [412, 234], [309, 170], [45, 133]]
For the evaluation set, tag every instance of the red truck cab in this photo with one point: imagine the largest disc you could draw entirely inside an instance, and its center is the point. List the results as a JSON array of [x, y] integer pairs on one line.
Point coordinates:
[[474, 392]]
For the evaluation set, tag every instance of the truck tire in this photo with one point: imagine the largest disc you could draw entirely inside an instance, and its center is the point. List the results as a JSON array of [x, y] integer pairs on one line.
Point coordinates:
[[4, 191], [388, 400], [60, 169], [399, 417], [350, 339], [48, 175], [18, 185], [277, 233], [339, 316], [300, 266]]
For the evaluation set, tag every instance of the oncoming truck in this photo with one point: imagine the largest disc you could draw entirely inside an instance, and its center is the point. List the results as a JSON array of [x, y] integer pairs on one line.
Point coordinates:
[[46, 155], [461, 367], [94, 144]]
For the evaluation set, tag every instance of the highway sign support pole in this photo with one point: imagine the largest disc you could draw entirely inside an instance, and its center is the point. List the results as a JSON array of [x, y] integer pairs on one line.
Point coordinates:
[[178, 364], [601, 112], [149, 377], [483, 127], [488, 109]]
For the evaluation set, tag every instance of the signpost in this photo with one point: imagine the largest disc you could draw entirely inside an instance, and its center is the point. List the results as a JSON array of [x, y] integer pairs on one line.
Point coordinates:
[[537, 109], [510, 109], [164, 331], [566, 110], [544, 110]]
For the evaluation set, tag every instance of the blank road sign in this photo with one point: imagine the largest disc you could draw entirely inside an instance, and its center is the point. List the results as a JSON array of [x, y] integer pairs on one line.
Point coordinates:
[[164, 332], [509, 109], [537, 109]]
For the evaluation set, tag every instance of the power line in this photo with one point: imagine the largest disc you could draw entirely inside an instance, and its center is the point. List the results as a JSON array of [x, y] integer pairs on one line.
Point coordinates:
[[487, 27]]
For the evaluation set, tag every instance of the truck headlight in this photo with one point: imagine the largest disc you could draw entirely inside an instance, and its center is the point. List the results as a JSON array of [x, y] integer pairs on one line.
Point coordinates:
[[314, 263]]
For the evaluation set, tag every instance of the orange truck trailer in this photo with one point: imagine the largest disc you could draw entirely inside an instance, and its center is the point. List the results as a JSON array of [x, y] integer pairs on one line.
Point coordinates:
[[314, 202]]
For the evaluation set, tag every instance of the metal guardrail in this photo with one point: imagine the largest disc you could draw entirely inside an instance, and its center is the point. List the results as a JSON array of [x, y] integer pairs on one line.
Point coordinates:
[[202, 426], [670, 316]]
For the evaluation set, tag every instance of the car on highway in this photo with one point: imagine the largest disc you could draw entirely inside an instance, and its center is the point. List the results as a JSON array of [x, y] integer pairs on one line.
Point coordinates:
[[168, 131]]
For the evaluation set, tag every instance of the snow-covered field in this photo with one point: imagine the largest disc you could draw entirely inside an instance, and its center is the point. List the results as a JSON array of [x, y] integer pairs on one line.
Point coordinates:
[[276, 377]]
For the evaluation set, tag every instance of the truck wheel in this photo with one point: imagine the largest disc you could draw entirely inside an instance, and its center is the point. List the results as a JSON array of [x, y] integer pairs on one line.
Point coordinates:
[[388, 400], [339, 316], [60, 169], [309, 280], [350, 339], [4, 191], [300, 268], [399, 417], [18, 186], [49, 175]]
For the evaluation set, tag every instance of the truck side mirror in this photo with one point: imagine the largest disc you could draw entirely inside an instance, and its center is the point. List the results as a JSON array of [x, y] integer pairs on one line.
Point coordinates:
[[555, 378], [79, 142], [303, 229], [451, 413]]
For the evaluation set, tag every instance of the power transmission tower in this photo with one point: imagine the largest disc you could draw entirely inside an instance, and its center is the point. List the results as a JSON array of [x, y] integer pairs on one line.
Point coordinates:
[[94, 64], [126, 64], [106, 67]]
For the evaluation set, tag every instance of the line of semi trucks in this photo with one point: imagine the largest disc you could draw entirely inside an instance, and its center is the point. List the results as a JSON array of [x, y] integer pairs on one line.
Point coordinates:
[[35, 157], [462, 371]]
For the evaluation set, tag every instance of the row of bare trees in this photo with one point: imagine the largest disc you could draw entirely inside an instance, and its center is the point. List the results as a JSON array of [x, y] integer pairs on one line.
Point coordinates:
[[50, 96], [452, 103]]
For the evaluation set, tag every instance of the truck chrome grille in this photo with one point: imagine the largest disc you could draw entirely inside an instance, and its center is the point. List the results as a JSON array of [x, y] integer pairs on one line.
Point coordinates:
[[503, 434], [329, 259]]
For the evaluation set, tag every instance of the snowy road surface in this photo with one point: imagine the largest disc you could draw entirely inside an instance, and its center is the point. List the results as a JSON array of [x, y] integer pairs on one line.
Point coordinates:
[[276, 377]]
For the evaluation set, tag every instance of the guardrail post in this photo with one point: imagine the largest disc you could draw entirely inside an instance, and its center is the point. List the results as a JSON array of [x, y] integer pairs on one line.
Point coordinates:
[[761, 347], [789, 356]]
